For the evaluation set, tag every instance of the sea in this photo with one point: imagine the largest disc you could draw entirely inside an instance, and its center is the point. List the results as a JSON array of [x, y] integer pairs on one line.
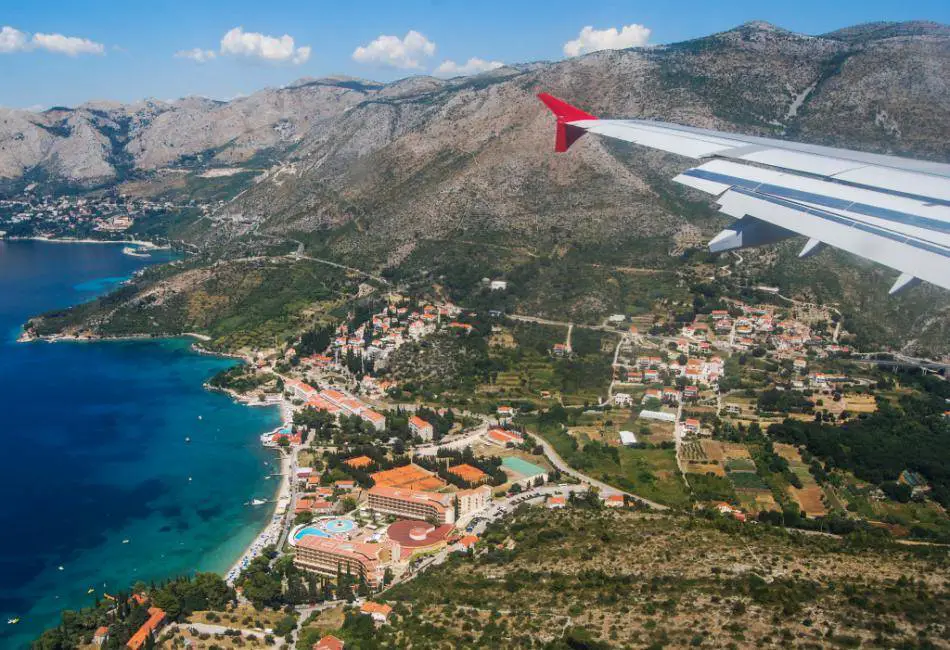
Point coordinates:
[[99, 487]]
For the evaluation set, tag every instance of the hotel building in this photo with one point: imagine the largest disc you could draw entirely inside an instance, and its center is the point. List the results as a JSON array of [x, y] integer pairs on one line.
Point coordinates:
[[425, 506], [329, 557]]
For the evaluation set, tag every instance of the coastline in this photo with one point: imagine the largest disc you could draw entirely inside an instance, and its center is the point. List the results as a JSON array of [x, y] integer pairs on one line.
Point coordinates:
[[273, 529], [72, 240]]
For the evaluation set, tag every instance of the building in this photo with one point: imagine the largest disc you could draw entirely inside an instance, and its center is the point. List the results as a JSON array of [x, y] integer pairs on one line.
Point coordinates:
[[425, 506], [614, 501], [329, 557], [691, 425], [504, 437], [469, 474], [329, 642], [421, 428], [474, 500], [658, 415], [379, 611], [628, 438], [101, 636], [623, 399], [468, 542], [556, 502], [376, 420], [505, 412], [359, 462], [410, 537], [156, 618]]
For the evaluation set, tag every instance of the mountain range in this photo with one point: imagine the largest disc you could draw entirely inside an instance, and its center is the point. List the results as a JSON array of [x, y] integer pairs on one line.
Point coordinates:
[[383, 174]]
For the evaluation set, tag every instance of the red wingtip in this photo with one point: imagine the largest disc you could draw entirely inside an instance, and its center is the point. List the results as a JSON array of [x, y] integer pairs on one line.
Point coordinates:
[[567, 134], [564, 111]]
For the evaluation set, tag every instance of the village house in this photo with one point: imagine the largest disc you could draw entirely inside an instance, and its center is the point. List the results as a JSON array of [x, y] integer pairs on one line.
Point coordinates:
[[623, 399], [329, 642], [421, 428], [101, 636], [378, 611], [504, 437]]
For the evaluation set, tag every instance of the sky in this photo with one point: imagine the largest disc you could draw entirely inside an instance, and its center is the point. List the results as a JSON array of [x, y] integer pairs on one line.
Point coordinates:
[[65, 52]]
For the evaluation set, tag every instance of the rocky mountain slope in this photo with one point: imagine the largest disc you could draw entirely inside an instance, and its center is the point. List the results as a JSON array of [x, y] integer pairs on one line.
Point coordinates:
[[385, 175]]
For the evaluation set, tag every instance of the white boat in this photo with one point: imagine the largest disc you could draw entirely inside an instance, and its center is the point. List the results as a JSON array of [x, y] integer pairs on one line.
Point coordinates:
[[258, 502], [187, 439], [124, 541], [13, 621]]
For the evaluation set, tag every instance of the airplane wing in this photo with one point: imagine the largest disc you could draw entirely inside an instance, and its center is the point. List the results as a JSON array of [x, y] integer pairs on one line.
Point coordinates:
[[894, 211]]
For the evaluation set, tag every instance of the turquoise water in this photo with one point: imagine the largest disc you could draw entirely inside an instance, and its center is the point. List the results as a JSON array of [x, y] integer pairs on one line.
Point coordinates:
[[309, 531], [94, 452], [326, 528]]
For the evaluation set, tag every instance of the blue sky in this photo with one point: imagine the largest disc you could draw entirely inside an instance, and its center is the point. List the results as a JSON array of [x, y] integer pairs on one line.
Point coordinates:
[[66, 52]]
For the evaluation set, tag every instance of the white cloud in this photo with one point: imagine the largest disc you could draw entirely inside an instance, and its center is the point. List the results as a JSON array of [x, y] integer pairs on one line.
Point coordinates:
[[450, 68], [396, 52], [13, 40], [593, 40], [68, 45], [237, 42], [196, 54]]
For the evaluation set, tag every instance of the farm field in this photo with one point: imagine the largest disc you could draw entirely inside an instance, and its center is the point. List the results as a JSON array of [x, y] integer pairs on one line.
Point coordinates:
[[810, 497]]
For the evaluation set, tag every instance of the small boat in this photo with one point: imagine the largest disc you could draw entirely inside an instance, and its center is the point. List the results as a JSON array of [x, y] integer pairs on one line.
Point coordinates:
[[187, 439], [258, 502], [13, 621], [124, 541], [199, 417], [91, 590], [189, 479], [60, 567]]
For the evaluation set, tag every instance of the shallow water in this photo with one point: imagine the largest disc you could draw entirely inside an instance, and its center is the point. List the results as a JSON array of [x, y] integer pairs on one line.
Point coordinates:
[[94, 449]]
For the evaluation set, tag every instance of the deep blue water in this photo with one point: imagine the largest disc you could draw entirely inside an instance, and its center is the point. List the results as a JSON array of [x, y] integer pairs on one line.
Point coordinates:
[[93, 451]]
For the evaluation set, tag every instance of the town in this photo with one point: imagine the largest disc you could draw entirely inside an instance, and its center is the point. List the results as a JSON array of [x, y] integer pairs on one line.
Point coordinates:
[[381, 486]]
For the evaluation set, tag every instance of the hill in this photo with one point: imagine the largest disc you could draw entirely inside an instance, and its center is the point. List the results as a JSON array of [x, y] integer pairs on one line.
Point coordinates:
[[421, 176]]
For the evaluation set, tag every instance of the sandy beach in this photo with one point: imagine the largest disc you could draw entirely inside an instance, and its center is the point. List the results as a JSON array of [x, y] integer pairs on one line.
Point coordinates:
[[272, 532]]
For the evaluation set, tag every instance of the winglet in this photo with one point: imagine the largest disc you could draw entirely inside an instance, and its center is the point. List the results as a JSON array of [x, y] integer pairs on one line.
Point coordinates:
[[567, 134]]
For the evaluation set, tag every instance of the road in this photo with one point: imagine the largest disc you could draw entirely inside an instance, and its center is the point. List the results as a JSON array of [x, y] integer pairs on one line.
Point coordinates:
[[564, 468], [560, 323], [467, 440]]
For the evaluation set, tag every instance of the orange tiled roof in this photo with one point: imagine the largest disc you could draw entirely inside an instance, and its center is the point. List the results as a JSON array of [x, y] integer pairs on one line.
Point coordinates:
[[468, 541], [369, 607], [329, 642], [359, 462], [156, 616]]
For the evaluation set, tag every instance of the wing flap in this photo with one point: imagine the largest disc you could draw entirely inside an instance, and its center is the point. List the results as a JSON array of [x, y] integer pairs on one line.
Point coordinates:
[[917, 258]]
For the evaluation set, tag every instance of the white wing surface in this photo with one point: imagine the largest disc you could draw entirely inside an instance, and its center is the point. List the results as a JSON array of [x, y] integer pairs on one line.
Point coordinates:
[[894, 211]]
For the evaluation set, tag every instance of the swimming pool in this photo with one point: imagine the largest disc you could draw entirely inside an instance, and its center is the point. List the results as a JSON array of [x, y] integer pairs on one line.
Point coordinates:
[[329, 528], [309, 530]]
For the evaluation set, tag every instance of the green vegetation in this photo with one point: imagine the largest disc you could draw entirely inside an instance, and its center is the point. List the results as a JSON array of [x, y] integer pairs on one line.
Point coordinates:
[[242, 378], [241, 304], [593, 578], [178, 598], [647, 472], [878, 446]]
